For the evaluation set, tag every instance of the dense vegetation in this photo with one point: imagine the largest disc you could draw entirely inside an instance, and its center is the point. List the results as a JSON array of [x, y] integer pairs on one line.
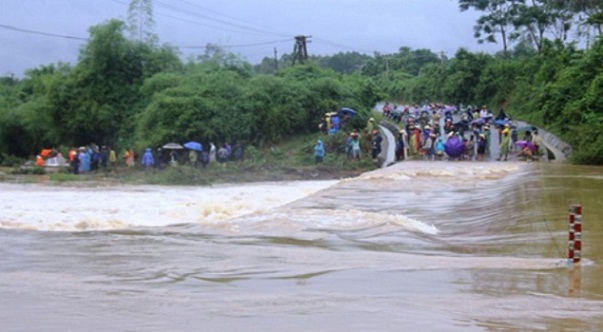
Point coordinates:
[[128, 93]]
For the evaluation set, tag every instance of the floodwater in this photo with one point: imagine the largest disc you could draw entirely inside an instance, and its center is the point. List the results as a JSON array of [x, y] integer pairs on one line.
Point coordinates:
[[418, 246]]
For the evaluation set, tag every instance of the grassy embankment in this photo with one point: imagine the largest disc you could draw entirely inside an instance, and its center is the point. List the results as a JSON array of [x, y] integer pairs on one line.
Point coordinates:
[[288, 161]]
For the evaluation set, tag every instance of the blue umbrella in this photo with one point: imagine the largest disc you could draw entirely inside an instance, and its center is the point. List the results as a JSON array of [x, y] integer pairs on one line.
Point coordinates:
[[347, 111], [501, 122], [194, 146], [454, 147]]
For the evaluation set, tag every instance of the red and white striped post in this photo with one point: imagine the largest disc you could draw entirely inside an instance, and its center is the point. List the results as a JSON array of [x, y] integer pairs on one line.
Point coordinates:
[[574, 253]]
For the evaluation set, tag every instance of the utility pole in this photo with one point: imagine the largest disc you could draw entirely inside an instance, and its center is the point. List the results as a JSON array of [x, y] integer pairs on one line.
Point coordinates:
[[300, 50], [275, 60], [387, 66], [140, 21], [442, 58]]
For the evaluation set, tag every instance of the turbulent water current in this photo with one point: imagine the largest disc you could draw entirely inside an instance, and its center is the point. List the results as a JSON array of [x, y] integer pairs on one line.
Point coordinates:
[[418, 246]]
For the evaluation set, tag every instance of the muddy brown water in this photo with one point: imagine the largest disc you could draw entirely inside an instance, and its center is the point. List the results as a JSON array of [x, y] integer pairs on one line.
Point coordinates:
[[419, 246]]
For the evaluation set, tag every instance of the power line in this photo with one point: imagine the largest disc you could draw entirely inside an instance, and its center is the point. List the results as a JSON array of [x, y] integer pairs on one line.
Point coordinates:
[[9, 27], [230, 17], [211, 19], [206, 25], [41, 33], [244, 45], [328, 43], [13, 28], [191, 21], [121, 2]]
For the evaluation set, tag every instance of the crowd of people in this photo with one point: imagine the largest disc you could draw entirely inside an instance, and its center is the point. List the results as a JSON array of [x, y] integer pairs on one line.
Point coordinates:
[[354, 142], [91, 157], [438, 132], [429, 132]]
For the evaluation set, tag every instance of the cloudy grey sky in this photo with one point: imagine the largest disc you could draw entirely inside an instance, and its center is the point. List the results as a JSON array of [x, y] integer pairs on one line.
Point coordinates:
[[250, 28]]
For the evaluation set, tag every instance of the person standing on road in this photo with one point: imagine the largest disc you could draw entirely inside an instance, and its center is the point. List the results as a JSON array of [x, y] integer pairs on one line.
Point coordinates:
[[319, 152], [376, 144], [504, 145]]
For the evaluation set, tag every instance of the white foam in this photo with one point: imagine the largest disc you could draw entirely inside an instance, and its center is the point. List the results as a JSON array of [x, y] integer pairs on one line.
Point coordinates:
[[38, 207], [444, 171], [296, 220]]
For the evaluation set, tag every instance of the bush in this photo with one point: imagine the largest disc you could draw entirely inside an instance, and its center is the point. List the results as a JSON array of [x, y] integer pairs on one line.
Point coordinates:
[[37, 171], [10, 161]]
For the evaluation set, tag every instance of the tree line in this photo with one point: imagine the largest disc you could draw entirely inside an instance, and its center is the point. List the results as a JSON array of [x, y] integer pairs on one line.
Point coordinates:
[[135, 94], [131, 93]]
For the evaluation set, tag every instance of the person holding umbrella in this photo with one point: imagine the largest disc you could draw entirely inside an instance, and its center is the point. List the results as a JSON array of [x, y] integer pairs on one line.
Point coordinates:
[[192, 157]]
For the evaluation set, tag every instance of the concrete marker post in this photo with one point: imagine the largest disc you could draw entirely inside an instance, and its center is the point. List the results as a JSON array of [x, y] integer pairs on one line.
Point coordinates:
[[574, 253]]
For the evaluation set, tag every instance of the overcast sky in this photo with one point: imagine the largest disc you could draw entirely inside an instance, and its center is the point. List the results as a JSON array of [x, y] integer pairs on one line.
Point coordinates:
[[250, 28]]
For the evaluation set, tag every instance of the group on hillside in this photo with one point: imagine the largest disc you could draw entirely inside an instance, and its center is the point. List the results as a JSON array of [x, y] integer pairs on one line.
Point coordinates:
[[91, 157], [85, 159], [356, 145]]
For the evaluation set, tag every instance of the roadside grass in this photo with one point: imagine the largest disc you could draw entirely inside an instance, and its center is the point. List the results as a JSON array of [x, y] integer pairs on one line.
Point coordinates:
[[66, 177]]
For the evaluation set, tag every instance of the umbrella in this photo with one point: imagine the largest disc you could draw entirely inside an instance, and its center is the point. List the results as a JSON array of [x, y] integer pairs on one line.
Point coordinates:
[[193, 146], [461, 124], [173, 146], [523, 144], [347, 111], [448, 109], [526, 128], [454, 147], [479, 121], [501, 122]]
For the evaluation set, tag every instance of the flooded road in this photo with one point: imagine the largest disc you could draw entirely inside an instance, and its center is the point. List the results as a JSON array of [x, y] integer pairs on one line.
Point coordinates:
[[452, 246]]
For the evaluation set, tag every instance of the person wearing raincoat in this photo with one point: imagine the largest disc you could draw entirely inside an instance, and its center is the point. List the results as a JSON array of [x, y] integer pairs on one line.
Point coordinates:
[[376, 144], [87, 160], [81, 156], [39, 161], [504, 145], [400, 145], [440, 148], [470, 148], [355, 145], [192, 158], [147, 159], [412, 142], [481, 147], [429, 146], [212, 152], [112, 158], [488, 136], [129, 158], [319, 152]]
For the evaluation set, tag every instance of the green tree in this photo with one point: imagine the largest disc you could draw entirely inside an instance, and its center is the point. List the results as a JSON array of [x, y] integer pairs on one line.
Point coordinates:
[[533, 21], [497, 19], [463, 75], [97, 100]]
